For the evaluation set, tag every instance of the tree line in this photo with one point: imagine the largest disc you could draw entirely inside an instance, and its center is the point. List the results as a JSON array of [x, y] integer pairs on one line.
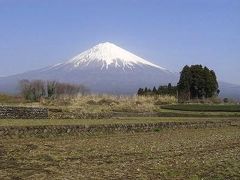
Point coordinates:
[[162, 90], [36, 89], [196, 82]]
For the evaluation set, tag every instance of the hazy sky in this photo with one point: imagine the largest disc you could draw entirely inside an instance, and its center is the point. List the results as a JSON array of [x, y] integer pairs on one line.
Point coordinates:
[[170, 33]]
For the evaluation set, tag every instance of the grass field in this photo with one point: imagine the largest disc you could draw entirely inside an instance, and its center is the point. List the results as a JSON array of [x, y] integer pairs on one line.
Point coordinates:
[[127, 120], [84, 107], [168, 154], [210, 114], [165, 153], [203, 107], [96, 103]]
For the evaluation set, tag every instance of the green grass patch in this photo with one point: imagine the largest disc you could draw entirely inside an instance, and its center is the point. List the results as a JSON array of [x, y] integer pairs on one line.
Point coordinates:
[[203, 107], [181, 113]]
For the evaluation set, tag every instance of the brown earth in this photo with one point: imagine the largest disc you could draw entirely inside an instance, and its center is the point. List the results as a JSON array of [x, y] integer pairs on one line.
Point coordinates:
[[209, 153]]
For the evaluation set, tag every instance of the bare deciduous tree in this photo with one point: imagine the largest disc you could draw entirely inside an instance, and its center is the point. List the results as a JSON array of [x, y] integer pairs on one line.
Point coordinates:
[[32, 90], [36, 89]]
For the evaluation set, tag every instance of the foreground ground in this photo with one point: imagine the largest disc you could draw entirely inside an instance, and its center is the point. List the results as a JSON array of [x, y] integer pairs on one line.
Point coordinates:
[[119, 120], [210, 153]]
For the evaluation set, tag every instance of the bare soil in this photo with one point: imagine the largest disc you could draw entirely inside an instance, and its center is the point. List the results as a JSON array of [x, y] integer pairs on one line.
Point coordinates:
[[210, 153]]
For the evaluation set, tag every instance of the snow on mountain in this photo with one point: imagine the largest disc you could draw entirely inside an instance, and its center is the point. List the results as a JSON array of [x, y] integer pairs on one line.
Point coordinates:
[[109, 54], [105, 68]]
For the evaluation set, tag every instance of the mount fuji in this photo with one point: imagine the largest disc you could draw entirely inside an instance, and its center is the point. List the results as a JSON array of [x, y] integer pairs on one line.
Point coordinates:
[[105, 68]]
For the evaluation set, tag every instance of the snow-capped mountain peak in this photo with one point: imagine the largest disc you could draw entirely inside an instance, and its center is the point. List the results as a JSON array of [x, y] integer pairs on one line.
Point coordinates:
[[105, 68], [109, 54]]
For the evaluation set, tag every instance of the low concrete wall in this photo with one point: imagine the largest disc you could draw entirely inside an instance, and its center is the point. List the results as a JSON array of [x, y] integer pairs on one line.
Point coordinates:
[[7, 112], [54, 131]]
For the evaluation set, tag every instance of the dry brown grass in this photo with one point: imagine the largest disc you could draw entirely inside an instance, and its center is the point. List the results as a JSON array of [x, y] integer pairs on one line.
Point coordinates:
[[209, 153], [106, 103], [8, 99]]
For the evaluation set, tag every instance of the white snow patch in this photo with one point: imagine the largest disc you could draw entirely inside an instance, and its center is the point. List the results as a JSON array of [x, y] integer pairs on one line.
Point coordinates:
[[107, 54]]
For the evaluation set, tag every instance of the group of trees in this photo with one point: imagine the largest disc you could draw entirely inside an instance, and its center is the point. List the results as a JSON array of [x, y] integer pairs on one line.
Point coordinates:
[[196, 82], [37, 89], [162, 90]]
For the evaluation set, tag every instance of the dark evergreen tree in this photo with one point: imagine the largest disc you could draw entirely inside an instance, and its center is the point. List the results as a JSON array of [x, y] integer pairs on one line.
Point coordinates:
[[140, 92], [149, 92], [145, 91], [154, 91], [197, 82], [162, 90], [169, 86]]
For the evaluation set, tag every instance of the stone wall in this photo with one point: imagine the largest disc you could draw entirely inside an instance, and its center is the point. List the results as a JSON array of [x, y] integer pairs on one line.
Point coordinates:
[[7, 112], [64, 130]]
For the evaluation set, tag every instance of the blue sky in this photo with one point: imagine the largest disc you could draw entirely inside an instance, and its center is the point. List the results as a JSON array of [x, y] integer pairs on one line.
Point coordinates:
[[170, 33]]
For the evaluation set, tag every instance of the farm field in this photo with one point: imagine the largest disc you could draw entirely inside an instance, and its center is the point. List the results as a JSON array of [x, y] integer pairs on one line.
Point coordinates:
[[122, 120], [197, 114], [210, 149], [124, 89], [203, 107], [205, 153]]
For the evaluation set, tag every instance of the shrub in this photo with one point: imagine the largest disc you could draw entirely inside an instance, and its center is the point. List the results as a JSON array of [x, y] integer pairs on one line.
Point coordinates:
[[225, 100]]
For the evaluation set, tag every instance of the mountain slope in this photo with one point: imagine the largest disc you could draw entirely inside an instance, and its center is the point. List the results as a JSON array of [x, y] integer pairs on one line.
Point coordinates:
[[105, 68], [229, 90]]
